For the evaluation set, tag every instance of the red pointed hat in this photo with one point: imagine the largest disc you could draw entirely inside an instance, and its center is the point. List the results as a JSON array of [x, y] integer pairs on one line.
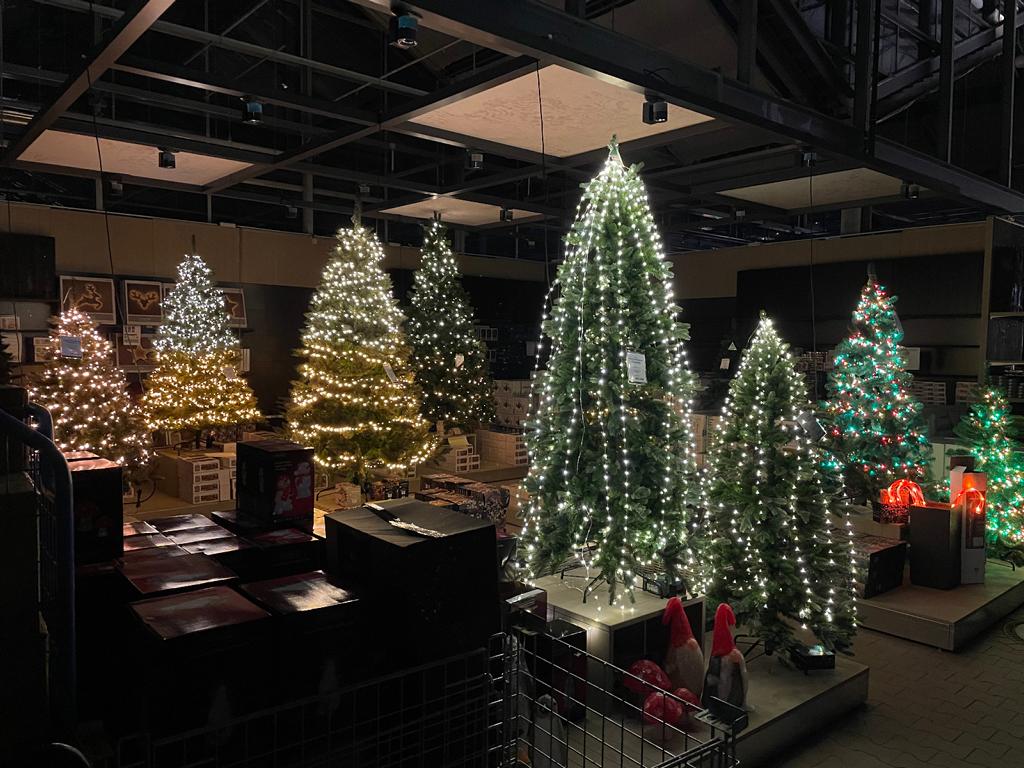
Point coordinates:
[[721, 641], [677, 619]]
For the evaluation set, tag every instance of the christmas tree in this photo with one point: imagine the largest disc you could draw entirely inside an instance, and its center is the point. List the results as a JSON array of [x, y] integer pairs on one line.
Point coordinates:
[[196, 383], [611, 448], [87, 395], [450, 362], [875, 423], [769, 552], [990, 436], [355, 400], [6, 372]]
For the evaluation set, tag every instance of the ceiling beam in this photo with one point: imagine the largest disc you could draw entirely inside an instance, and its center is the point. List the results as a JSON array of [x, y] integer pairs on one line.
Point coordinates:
[[240, 46], [531, 27], [130, 26], [479, 80]]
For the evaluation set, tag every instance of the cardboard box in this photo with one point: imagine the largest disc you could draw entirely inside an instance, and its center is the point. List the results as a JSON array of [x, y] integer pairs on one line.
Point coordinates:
[[274, 482], [99, 520]]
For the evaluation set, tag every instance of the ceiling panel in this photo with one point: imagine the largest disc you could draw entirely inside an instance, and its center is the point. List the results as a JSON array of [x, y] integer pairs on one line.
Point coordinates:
[[580, 114], [454, 210], [825, 189], [73, 150]]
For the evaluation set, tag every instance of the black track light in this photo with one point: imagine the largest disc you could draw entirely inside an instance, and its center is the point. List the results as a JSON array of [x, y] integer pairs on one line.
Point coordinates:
[[291, 212], [474, 159], [506, 215], [402, 31], [165, 159], [252, 111], [655, 110]]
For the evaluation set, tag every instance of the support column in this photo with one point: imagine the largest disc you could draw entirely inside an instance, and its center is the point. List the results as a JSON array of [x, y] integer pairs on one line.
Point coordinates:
[[746, 56], [945, 126], [99, 192], [1008, 65], [926, 24], [863, 65], [307, 197]]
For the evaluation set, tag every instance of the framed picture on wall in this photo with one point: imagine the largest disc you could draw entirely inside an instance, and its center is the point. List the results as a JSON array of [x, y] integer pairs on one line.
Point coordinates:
[[42, 349], [143, 302], [140, 357], [234, 303], [92, 295]]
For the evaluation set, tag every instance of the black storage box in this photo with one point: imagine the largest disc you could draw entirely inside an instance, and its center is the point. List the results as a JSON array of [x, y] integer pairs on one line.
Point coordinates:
[[99, 522], [163, 570], [560, 665], [935, 546], [427, 597], [322, 619], [274, 482], [880, 561], [199, 657], [232, 552], [168, 525], [286, 551]]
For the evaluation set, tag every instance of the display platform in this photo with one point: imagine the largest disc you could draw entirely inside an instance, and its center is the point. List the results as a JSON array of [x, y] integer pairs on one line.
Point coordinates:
[[862, 522], [945, 618], [489, 472]]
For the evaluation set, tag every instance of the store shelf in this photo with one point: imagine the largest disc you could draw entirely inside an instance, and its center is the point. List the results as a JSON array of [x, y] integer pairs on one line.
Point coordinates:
[[1006, 362], [995, 315]]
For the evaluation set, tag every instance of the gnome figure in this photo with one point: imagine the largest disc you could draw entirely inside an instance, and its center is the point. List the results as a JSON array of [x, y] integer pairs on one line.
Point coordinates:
[[727, 669], [684, 661]]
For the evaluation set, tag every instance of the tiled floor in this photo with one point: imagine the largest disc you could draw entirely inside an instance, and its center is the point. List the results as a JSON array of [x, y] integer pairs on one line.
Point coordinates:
[[930, 708]]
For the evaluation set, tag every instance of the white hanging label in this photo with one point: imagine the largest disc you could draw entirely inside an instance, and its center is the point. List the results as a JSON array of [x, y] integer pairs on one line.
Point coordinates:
[[133, 335], [391, 373], [732, 346], [636, 367], [724, 364], [71, 346], [460, 359]]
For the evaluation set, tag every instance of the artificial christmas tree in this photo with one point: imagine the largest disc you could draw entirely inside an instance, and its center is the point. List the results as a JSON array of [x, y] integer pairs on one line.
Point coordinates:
[[355, 401], [875, 427], [196, 384], [87, 396], [611, 449], [449, 361], [990, 436], [769, 553], [6, 366]]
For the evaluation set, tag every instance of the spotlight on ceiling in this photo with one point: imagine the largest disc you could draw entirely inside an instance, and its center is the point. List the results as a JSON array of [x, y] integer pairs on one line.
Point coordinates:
[[252, 111], [291, 212], [655, 110], [115, 187], [474, 159], [165, 159], [402, 31], [909, 190], [505, 215]]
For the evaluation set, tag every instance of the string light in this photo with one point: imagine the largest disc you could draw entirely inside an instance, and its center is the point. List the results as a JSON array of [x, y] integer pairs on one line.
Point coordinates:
[[770, 553], [612, 468], [450, 362], [88, 397], [345, 404], [196, 383]]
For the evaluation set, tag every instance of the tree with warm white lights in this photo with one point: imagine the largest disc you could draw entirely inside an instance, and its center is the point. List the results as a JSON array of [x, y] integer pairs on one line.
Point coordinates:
[[612, 465], [990, 436], [355, 401], [88, 397], [196, 384], [768, 548], [875, 425], [450, 362]]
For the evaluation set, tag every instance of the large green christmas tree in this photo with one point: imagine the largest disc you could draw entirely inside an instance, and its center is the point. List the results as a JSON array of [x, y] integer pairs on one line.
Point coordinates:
[[875, 425], [449, 361], [196, 384], [769, 551], [990, 436], [612, 466], [88, 398], [355, 401]]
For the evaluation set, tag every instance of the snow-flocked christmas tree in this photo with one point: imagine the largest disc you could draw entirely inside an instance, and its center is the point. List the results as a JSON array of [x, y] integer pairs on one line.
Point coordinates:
[[449, 361], [875, 427], [355, 401], [990, 436], [196, 384], [611, 446], [768, 548], [88, 396]]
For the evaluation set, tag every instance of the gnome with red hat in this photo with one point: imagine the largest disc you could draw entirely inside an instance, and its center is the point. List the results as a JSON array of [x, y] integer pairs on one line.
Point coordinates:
[[684, 661], [727, 669]]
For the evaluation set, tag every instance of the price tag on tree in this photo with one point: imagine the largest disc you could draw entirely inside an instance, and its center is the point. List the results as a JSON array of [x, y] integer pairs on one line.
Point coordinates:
[[391, 373], [636, 367], [133, 335], [460, 360], [71, 346]]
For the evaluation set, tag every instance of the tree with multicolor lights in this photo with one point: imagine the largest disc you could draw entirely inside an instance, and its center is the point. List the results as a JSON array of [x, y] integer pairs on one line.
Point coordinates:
[[990, 436], [356, 401], [87, 396], [196, 384], [611, 448], [450, 362], [768, 550], [875, 427]]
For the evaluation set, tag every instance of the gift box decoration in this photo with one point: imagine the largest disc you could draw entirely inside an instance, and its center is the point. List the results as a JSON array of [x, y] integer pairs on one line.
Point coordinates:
[[896, 500]]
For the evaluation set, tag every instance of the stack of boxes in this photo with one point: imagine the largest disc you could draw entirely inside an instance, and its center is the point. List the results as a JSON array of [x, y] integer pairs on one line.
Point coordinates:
[[511, 401], [461, 455], [198, 479], [502, 446], [929, 392], [704, 426]]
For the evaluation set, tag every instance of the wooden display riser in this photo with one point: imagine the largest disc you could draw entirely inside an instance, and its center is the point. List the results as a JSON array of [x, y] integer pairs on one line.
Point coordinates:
[[945, 618]]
